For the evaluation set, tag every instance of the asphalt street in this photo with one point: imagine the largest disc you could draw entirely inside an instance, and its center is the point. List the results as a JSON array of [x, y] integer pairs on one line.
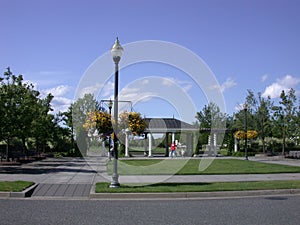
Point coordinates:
[[254, 210]]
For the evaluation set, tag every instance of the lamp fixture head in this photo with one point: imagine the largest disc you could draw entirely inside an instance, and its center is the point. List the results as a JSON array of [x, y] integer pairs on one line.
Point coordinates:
[[116, 50], [110, 104]]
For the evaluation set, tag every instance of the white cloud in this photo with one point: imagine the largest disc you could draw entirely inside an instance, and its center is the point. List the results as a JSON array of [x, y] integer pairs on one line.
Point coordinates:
[[229, 83], [61, 104], [264, 77], [94, 89], [145, 81], [185, 85], [58, 91], [108, 89], [168, 82], [239, 107], [134, 94], [274, 90], [46, 78]]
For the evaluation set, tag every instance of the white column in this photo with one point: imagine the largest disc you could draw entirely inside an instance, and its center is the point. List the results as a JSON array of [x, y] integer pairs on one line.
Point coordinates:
[[173, 137], [103, 149], [215, 139], [150, 145], [235, 145], [209, 145], [126, 144], [215, 143]]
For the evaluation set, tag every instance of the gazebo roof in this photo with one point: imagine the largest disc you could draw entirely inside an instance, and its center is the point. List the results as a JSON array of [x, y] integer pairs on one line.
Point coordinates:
[[163, 125]]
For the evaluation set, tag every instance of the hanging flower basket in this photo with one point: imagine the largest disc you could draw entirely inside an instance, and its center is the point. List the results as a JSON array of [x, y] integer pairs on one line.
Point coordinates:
[[240, 134]]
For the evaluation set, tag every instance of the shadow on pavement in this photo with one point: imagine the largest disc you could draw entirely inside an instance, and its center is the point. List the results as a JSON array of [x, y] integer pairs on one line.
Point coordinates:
[[22, 170]]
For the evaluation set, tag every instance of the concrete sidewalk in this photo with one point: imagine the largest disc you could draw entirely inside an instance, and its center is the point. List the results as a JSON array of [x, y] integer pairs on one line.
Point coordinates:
[[56, 171], [75, 177], [58, 177], [93, 169]]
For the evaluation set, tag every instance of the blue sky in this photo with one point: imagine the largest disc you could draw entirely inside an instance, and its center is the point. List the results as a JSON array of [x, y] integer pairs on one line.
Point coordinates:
[[246, 44]]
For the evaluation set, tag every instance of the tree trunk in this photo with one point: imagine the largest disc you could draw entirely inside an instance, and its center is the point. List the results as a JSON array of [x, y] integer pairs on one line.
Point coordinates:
[[7, 149], [25, 150], [263, 145], [283, 142]]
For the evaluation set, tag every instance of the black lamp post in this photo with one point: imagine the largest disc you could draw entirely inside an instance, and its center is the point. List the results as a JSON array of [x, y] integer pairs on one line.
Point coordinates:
[[246, 131], [116, 52], [110, 104]]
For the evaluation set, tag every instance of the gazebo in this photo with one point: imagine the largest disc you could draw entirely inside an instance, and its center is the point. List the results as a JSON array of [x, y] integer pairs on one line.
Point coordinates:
[[169, 126]]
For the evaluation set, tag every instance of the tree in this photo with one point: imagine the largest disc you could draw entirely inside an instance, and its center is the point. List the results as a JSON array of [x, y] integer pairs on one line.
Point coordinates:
[[297, 119], [80, 110], [284, 117], [43, 122], [258, 116], [66, 119], [263, 123], [20, 112], [210, 117]]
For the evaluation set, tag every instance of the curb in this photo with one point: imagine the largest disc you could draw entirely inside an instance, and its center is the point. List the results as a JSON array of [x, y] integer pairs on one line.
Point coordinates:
[[24, 194], [193, 195]]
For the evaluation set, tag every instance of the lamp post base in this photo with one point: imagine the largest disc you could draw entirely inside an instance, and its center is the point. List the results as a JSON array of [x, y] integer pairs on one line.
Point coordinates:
[[115, 183], [115, 177]]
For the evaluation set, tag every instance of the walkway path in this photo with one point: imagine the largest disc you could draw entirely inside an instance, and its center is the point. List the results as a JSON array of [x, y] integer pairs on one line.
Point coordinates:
[[58, 177], [74, 177]]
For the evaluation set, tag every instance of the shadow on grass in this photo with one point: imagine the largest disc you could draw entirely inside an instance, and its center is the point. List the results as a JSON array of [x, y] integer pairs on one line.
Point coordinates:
[[174, 184], [199, 187], [158, 187]]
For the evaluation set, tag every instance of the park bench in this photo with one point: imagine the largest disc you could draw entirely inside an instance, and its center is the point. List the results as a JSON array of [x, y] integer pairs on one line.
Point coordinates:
[[294, 154]]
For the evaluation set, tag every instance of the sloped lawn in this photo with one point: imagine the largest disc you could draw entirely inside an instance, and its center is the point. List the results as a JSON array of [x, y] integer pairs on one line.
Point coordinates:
[[198, 167]]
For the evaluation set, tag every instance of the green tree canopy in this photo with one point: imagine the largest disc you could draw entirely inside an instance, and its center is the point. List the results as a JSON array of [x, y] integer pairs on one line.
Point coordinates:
[[21, 110]]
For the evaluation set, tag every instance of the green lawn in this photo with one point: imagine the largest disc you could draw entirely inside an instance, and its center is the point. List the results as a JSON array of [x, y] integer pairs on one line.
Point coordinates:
[[199, 187], [14, 186], [198, 166]]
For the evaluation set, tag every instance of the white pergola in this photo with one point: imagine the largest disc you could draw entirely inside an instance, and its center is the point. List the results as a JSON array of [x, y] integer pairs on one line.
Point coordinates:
[[166, 126]]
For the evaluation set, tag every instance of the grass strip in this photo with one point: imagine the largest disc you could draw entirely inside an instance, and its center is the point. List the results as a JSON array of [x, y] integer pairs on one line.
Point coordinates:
[[199, 187], [198, 167], [14, 186]]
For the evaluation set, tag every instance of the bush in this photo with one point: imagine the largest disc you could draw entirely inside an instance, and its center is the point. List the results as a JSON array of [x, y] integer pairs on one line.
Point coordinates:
[[224, 152], [238, 154], [121, 150]]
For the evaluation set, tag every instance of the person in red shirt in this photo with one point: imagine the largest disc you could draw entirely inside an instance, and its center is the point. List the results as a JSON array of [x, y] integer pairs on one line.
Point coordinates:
[[173, 150]]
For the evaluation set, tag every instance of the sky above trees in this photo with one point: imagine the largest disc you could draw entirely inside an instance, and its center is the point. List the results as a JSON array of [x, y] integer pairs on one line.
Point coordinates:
[[246, 44]]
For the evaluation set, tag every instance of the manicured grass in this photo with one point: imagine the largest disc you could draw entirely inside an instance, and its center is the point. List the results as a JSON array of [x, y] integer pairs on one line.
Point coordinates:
[[142, 150], [200, 187], [14, 186], [199, 166], [236, 166]]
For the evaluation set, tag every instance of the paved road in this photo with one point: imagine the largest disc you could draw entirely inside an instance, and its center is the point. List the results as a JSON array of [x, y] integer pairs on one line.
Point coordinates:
[[256, 210]]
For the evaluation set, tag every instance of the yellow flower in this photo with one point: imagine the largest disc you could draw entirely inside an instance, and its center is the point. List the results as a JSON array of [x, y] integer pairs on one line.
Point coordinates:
[[251, 134]]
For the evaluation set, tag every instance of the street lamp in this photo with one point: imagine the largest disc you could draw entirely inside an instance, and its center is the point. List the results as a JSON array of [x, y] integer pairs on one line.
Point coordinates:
[[116, 52], [245, 127], [110, 104]]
